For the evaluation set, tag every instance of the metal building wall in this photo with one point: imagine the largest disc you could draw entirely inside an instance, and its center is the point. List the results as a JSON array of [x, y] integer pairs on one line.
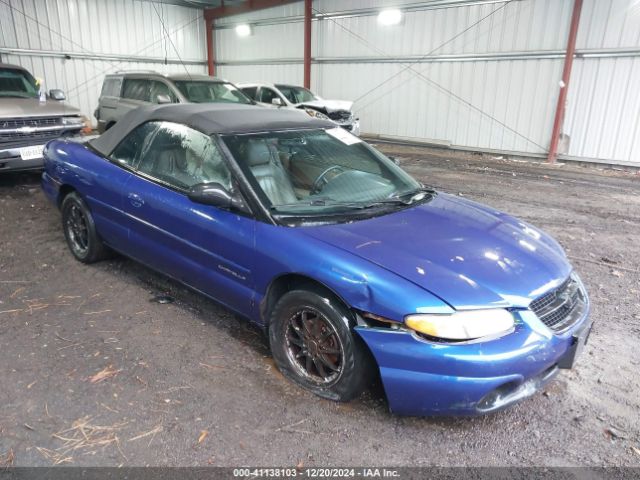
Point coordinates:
[[72, 44], [493, 87]]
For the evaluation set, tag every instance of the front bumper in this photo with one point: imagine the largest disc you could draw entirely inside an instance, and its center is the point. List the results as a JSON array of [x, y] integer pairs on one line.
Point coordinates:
[[423, 378], [11, 159]]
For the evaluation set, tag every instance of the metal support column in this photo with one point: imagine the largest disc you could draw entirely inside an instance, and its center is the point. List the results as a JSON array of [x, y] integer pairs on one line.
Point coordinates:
[[564, 87]]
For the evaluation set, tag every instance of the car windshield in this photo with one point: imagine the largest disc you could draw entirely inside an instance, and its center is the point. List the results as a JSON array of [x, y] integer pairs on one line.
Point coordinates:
[[296, 94], [203, 91], [322, 171], [17, 83]]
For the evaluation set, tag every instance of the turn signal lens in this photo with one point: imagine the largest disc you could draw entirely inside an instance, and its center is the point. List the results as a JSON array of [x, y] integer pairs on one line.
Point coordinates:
[[463, 325]]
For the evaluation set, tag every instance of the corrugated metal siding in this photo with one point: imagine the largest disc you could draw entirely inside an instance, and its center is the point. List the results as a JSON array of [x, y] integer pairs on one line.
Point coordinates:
[[603, 116], [282, 41], [264, 73], [120, 27]]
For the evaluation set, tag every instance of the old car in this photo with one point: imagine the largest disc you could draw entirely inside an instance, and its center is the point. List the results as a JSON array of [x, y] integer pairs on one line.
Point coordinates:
[[295, 97], [29, 118], [127, 90], [352, 266]]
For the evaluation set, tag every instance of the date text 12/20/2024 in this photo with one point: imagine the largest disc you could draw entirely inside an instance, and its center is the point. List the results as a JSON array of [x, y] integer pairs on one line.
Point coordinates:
[[315, 472]]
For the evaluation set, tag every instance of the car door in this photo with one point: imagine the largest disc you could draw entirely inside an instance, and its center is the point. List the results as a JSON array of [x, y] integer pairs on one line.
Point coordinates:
[[108, 102], [160, 88], [266, 96], [136, 92], [208, 248], [107, 183]]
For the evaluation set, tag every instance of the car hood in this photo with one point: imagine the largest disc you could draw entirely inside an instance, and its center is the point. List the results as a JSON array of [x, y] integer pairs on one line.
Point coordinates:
[[11, 107], [328, 106], [467, 254]]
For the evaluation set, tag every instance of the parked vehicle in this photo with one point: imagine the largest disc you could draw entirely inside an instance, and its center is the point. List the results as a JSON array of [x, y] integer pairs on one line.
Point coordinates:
[[346, 260], [126, 91], [291, 96], [29, 118]]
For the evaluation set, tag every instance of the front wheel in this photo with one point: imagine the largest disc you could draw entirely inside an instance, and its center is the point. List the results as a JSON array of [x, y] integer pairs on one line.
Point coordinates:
[[80, 230], [313, 344]]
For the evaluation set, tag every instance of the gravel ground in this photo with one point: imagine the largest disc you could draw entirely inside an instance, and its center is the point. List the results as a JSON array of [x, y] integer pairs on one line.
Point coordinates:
[[94, 372]]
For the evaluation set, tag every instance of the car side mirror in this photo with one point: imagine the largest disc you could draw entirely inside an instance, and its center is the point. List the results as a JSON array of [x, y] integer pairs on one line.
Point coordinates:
[[394, 159], [216, 195], [163, 99], [277, 101], [56, 94]]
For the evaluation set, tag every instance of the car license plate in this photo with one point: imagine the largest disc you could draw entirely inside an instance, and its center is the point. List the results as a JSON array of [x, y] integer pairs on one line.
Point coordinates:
[[31, 153], [579, 341]]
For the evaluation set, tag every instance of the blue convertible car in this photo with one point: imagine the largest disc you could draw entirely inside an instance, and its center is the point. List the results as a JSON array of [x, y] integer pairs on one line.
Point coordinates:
[[352, 266]]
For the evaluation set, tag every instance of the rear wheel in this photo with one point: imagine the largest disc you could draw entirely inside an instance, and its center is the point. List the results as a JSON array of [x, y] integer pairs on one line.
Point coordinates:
[[313, 344], [80, 230]]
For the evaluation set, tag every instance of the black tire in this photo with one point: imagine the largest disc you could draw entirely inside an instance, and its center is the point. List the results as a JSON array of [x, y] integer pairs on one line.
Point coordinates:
[[338, 376], [80, 230]]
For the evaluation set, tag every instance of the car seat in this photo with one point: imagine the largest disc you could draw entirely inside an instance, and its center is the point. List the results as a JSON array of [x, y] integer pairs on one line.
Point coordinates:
[[269, 173]]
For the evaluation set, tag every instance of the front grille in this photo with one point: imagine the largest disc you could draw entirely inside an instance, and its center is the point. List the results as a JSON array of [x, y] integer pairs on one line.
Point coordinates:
[[52, 127], [30, 122], [340, 115], [562, 307]]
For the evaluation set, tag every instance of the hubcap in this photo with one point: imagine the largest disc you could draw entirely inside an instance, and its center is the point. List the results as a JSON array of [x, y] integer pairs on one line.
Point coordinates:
[[77, 230], [314, 347]]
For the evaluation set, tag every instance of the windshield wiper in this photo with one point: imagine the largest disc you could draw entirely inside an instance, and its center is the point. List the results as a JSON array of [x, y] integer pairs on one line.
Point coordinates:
[[320, 202]]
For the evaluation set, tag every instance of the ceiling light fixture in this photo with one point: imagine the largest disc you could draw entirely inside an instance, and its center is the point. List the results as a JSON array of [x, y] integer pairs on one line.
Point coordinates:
[[243, 30], [390, 17]]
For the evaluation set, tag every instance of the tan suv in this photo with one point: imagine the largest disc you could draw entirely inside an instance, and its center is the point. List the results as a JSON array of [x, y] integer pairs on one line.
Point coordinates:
[[29, 118], [124, 91]]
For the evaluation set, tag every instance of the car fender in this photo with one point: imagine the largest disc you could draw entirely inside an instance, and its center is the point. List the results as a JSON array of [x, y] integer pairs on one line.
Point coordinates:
[[360, 284]]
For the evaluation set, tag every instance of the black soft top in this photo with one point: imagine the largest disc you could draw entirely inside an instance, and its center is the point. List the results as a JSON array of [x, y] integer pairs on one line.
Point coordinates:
[[210, 118]]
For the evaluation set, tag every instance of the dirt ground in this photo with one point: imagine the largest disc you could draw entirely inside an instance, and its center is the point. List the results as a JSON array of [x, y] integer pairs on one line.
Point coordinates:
[[93, 371]]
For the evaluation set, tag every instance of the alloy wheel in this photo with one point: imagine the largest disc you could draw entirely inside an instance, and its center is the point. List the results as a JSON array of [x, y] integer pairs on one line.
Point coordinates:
[[77, 230], [314, 347]]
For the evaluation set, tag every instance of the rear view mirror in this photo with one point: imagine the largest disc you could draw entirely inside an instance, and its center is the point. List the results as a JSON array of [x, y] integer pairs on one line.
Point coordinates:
[[216, 195], [163, 99], [56, 94], [276, 101]]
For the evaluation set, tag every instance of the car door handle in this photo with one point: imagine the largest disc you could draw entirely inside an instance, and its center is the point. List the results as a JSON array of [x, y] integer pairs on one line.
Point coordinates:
[[135, 200]]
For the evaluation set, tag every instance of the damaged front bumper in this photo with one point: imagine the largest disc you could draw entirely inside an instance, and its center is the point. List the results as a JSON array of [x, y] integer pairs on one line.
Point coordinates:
[[423, 378]]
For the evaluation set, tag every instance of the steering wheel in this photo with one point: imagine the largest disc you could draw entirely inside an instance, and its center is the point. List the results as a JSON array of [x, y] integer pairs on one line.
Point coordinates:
[[321, 181]]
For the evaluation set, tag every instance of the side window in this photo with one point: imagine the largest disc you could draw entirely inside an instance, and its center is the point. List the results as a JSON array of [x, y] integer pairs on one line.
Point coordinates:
[[250, 92], [137, 89], [184, 157], [111, 87], [267, 95], [129, 151], [160, 88]]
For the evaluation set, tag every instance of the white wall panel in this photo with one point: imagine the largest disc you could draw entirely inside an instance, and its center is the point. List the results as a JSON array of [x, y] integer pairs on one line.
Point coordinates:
[[267, 42], [99, 27], [499, 104], [603, 117], [289, 73]]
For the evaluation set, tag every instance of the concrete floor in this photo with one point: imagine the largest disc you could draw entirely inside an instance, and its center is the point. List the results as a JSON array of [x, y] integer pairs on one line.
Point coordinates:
[[188, 383]]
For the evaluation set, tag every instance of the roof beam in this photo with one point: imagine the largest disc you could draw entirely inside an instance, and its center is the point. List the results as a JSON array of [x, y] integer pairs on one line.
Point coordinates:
[[245, 7]]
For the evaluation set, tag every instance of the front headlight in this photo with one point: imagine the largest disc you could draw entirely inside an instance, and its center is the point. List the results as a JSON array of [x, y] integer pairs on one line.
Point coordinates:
[[73, 121], [316, 114], [78, 121], [464, 325]]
